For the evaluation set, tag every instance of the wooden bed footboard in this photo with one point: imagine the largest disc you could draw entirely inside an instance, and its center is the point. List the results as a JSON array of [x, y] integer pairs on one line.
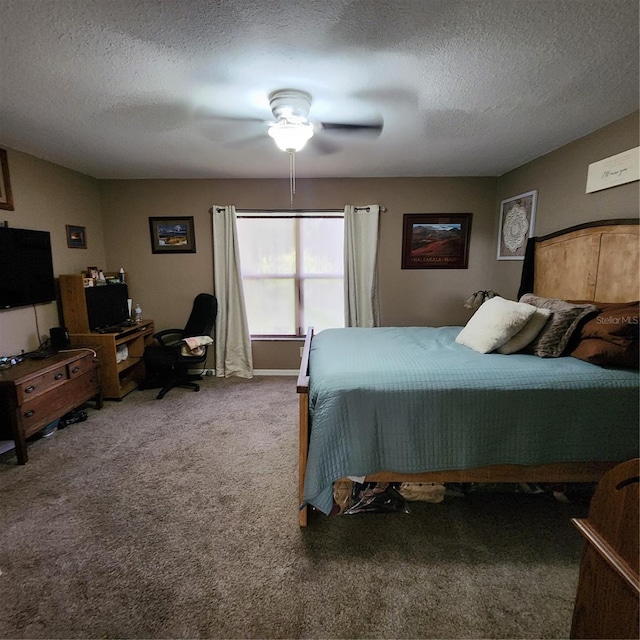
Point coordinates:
[[302, 388]]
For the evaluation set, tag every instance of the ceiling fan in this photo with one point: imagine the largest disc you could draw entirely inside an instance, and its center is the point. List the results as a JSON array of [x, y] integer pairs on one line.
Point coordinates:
[[292, 127]]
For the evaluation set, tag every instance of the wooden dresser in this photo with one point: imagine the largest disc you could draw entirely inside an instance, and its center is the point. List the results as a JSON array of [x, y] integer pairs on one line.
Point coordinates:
[[35, 393]]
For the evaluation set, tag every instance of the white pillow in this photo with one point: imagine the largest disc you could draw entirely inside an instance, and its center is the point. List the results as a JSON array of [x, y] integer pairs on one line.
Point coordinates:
[[528, 333], [495, 322]]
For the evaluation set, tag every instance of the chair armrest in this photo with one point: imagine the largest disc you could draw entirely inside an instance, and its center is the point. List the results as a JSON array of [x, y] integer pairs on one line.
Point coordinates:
[[161, 337]]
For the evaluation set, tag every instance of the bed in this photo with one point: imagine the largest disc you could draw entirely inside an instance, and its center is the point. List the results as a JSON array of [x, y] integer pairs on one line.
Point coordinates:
[[410, 404]]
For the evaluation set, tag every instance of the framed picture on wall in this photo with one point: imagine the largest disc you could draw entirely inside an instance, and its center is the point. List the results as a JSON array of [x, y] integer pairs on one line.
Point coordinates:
[[76, 237], [6, 199], [172, 235], [436, 240], [517, 220]]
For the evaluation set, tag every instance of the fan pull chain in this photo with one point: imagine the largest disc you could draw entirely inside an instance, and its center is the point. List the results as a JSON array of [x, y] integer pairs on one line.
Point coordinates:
[[292, 174]]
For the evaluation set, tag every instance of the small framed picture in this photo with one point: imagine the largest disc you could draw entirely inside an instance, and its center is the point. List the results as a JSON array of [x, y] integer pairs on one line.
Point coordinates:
[[93, 273], [76, 237], [6, 199], [172, 235], [436, 240], [517, 220]]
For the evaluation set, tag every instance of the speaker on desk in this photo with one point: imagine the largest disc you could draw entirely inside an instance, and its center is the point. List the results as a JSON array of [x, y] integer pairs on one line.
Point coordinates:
[[59, 338]]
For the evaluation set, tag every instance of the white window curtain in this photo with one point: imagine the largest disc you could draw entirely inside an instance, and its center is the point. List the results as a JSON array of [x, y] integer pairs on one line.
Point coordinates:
[[361, 306], [233, 342]]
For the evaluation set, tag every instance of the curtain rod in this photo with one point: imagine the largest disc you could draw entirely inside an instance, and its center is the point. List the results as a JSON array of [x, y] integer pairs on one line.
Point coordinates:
[[382, 209]]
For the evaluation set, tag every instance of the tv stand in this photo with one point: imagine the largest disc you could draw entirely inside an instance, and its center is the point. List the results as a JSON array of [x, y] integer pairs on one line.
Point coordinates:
[[120, 375]]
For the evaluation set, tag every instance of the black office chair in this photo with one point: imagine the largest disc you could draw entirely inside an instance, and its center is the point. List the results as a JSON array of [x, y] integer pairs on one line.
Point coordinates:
[[166, 367]]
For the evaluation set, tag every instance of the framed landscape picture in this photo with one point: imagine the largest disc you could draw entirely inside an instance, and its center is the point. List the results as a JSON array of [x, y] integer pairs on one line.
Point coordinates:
[[172, 235], [517, 219], [76, 237], [436, 240]]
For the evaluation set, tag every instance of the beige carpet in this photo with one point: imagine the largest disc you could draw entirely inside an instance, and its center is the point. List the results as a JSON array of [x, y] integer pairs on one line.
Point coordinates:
[[177, 519]]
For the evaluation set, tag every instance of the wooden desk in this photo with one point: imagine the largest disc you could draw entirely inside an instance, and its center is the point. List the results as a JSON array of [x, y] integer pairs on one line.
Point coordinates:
[[35, 393], [119, 377]]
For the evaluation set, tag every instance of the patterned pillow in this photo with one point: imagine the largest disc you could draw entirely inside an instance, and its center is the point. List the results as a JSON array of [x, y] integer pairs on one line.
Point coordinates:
[[564, 320]]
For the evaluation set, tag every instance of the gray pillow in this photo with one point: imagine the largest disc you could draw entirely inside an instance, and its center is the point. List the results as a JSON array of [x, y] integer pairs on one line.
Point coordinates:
[[564, 320]]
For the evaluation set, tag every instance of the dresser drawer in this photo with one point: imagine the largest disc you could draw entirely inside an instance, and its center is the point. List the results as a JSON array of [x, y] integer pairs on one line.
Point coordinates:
[[40, 411], [80, 367], [27, 391], [36, 386]]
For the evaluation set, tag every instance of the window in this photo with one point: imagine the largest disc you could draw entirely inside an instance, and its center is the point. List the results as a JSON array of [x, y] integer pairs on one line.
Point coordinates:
[[292, 271]]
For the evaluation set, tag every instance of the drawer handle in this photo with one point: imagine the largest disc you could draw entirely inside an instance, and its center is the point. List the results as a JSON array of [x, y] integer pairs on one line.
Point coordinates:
[[30, 389], [29, 413], [75, 369], [58, 376]]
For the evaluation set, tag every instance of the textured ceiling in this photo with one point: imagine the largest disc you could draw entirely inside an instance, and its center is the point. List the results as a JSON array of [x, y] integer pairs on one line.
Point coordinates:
[[150, 88]]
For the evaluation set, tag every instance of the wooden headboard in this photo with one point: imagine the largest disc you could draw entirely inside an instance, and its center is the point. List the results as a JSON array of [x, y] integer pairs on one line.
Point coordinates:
[[596, 261]]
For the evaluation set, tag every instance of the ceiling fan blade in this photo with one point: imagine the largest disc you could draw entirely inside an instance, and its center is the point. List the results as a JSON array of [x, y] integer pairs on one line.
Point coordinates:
[[202, 113], [247, 142], [323, 146], [373, 128]]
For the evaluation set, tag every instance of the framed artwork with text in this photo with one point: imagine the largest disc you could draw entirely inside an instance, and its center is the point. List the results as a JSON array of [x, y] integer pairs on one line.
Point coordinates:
[[436, 240]]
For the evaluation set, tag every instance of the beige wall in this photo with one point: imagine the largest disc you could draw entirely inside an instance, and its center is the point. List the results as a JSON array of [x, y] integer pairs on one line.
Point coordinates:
[[47, 197], [116, 214], [165, 285], [560, 178]]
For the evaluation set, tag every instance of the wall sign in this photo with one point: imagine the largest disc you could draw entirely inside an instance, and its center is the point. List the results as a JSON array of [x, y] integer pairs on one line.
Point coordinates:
[[619, 169]]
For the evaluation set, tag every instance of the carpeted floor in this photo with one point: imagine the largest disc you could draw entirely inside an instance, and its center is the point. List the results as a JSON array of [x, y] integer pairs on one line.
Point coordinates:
[[177, 519]]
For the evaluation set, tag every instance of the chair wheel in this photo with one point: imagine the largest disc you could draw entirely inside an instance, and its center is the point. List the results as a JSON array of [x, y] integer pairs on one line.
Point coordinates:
[[197, 388]]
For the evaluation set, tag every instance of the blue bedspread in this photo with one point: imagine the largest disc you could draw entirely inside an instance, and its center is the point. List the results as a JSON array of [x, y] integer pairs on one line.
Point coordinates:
[[410, 399]]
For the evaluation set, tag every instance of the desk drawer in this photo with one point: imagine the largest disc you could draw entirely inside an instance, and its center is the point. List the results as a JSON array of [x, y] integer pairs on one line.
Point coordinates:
[[40, 411]]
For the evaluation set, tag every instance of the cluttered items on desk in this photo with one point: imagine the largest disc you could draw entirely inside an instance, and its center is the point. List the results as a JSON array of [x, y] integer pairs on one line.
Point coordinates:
[[94, 277], [9, 361]]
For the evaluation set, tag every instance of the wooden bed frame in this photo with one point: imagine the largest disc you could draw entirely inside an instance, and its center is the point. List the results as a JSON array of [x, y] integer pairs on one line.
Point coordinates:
[[597, 261]]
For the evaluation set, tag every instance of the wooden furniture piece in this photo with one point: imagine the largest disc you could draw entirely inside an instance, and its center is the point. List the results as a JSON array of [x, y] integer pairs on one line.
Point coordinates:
[[34, 393], [608, 587], [596, 261], [593, 262], [119, 377]]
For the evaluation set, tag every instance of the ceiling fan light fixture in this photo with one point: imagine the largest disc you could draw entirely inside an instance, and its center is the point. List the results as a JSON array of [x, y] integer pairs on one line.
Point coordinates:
[[291, 136]]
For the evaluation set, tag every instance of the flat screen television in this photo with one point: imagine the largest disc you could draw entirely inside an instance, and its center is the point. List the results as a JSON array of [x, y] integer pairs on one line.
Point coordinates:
[[107, 306], [26, 268]]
